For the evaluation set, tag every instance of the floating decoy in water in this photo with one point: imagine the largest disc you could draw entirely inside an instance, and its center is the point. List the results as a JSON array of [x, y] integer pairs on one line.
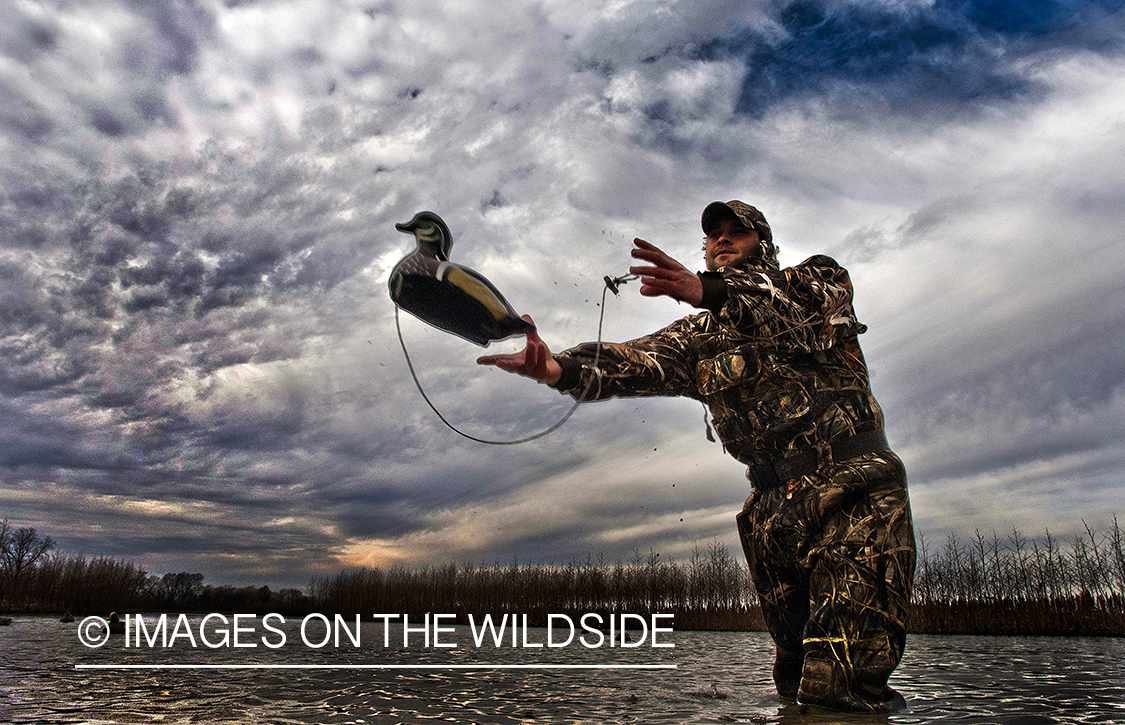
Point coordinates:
[[446, 295]]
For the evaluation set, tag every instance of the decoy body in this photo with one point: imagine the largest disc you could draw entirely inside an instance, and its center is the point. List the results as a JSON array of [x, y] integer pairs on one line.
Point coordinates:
[[448, 296]]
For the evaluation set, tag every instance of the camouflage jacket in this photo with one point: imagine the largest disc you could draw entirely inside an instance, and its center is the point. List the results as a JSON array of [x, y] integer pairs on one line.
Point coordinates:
[[775, 358]]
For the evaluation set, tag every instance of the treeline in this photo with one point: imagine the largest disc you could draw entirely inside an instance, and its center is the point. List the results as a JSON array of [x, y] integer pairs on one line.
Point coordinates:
[[982, 585], [99, 585], [1016, 585], [36, 580], [710, 590]]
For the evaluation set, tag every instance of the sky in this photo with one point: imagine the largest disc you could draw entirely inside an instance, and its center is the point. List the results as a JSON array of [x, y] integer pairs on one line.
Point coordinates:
[[199, 369]]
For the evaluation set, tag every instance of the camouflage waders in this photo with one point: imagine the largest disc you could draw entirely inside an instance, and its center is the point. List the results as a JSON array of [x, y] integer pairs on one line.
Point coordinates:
[[832, 558], [827, 531]]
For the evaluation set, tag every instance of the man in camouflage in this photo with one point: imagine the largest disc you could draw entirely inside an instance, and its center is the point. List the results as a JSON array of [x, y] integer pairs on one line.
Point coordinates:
[[774, 355]]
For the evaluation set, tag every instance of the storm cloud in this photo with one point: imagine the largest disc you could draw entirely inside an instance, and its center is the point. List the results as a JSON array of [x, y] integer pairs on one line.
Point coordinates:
[[199, 365]]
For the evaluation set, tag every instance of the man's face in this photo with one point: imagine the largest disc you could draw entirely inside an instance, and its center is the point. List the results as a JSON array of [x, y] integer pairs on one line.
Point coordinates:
[[729, 243]]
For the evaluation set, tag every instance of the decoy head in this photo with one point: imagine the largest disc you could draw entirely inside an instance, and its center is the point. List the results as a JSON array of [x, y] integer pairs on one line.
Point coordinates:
[[430, 231]]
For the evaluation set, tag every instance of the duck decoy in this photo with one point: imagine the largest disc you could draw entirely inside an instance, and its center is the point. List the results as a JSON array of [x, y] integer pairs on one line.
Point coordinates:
[[446, 295]]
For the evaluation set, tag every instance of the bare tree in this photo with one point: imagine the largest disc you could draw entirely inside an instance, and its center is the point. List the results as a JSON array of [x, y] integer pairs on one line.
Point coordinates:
[[182, 588], [20, 550]]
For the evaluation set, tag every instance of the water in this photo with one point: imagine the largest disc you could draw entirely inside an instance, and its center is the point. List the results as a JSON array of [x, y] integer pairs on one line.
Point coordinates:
[[721, 677]]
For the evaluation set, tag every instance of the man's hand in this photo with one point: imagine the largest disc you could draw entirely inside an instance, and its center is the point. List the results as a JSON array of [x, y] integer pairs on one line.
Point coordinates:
[[667, 277], [534, 361]]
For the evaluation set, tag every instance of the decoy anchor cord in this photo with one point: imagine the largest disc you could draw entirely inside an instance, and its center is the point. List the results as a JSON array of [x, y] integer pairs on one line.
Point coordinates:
[[611, 285]]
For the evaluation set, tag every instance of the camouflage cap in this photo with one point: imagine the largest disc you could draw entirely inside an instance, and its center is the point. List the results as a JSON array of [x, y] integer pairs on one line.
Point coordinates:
[[747, 215]]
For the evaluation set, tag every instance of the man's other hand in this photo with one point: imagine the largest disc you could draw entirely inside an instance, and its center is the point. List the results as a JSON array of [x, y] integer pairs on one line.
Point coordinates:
[[667, 276]]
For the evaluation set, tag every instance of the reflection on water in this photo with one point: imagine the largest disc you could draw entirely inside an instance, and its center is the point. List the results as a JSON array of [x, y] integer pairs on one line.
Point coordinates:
[[721, 677]]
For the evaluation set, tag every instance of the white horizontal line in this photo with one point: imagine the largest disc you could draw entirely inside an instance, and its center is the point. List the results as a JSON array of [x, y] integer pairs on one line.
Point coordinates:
[[373, 667]]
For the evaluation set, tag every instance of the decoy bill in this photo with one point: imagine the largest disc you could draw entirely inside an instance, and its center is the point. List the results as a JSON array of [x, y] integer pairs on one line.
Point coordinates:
[[446, 295]]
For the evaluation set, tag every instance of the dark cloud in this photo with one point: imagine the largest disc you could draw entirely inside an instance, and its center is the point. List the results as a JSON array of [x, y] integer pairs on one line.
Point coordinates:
[[109, 123], [120, 86], [147, 284], [947, 57], [496, 201], [179, 27], [25, 38], [20, 298], [152, 107], [23, 118], [31, 439]]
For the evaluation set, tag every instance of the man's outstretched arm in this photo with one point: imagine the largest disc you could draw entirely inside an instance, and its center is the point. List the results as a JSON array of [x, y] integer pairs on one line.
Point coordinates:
[[651, 365]]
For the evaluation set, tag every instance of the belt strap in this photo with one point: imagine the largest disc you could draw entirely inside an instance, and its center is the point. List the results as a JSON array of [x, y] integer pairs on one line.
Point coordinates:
[[806, 460]]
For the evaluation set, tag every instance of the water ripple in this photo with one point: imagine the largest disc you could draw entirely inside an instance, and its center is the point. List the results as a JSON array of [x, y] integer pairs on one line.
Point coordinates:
[[721, 677]]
